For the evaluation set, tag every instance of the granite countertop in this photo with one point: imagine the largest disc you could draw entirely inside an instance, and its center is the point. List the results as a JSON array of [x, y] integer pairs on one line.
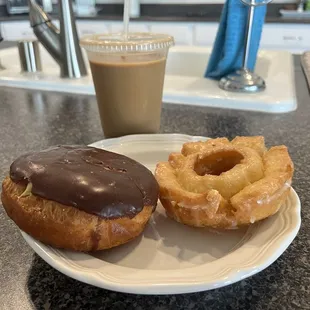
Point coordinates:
[[35, 120]]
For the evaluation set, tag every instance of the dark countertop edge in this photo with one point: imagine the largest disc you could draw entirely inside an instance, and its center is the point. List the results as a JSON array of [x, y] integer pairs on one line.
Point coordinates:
[[280, 20]]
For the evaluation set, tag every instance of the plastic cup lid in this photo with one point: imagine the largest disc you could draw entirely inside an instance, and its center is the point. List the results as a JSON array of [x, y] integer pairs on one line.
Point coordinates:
[[136, 42]]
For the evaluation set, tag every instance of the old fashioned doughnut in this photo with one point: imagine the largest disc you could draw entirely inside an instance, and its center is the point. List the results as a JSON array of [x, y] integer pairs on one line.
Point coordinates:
[[225, 184], [79, 198]]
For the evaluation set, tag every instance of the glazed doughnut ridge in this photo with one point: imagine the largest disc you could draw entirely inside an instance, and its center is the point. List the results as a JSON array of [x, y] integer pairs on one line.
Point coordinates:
[[225, 184]]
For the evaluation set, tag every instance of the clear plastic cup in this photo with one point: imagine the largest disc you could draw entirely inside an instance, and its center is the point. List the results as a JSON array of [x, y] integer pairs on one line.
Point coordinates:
[[128, 76]]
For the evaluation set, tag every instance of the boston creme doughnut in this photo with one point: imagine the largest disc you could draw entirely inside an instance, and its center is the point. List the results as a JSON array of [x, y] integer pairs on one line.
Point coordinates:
[[78, 197]]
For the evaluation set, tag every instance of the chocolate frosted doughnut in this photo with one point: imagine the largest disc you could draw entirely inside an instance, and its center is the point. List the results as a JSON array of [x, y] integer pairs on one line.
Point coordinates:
[[79, 197]]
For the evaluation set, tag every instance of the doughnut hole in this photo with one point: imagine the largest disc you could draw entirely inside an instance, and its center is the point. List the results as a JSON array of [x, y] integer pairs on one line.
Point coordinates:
[[217, 163]]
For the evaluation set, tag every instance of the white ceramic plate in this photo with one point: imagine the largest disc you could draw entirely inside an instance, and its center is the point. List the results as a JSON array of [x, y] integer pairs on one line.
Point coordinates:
[[170, 258]]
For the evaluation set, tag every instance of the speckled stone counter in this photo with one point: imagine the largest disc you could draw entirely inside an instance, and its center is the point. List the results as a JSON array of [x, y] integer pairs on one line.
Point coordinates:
[[35, 120]]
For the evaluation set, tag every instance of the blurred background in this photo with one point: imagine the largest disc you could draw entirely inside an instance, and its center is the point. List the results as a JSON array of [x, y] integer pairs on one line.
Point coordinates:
[[191, 22]]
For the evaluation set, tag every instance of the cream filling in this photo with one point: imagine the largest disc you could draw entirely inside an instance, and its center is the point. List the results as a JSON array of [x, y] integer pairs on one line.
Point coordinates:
[[27, 191]]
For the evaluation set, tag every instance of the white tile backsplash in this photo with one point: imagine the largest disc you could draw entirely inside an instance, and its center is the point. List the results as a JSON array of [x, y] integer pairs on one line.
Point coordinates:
[[204, 35], [182, 33], [85, 27], [17, 30], [291, 37], [133, 27]]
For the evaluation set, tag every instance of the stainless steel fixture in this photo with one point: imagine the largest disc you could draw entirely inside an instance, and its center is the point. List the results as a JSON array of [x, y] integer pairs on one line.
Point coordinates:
[[243, 79], [1, 39], [29, 55], [63, 44], [300, 7]]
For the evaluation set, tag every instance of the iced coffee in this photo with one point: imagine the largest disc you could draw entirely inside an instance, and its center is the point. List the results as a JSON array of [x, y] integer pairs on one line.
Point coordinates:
[[128, 77]]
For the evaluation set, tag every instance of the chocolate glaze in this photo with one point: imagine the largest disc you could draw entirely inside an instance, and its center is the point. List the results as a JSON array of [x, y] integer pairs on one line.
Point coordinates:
[[93, 180]]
